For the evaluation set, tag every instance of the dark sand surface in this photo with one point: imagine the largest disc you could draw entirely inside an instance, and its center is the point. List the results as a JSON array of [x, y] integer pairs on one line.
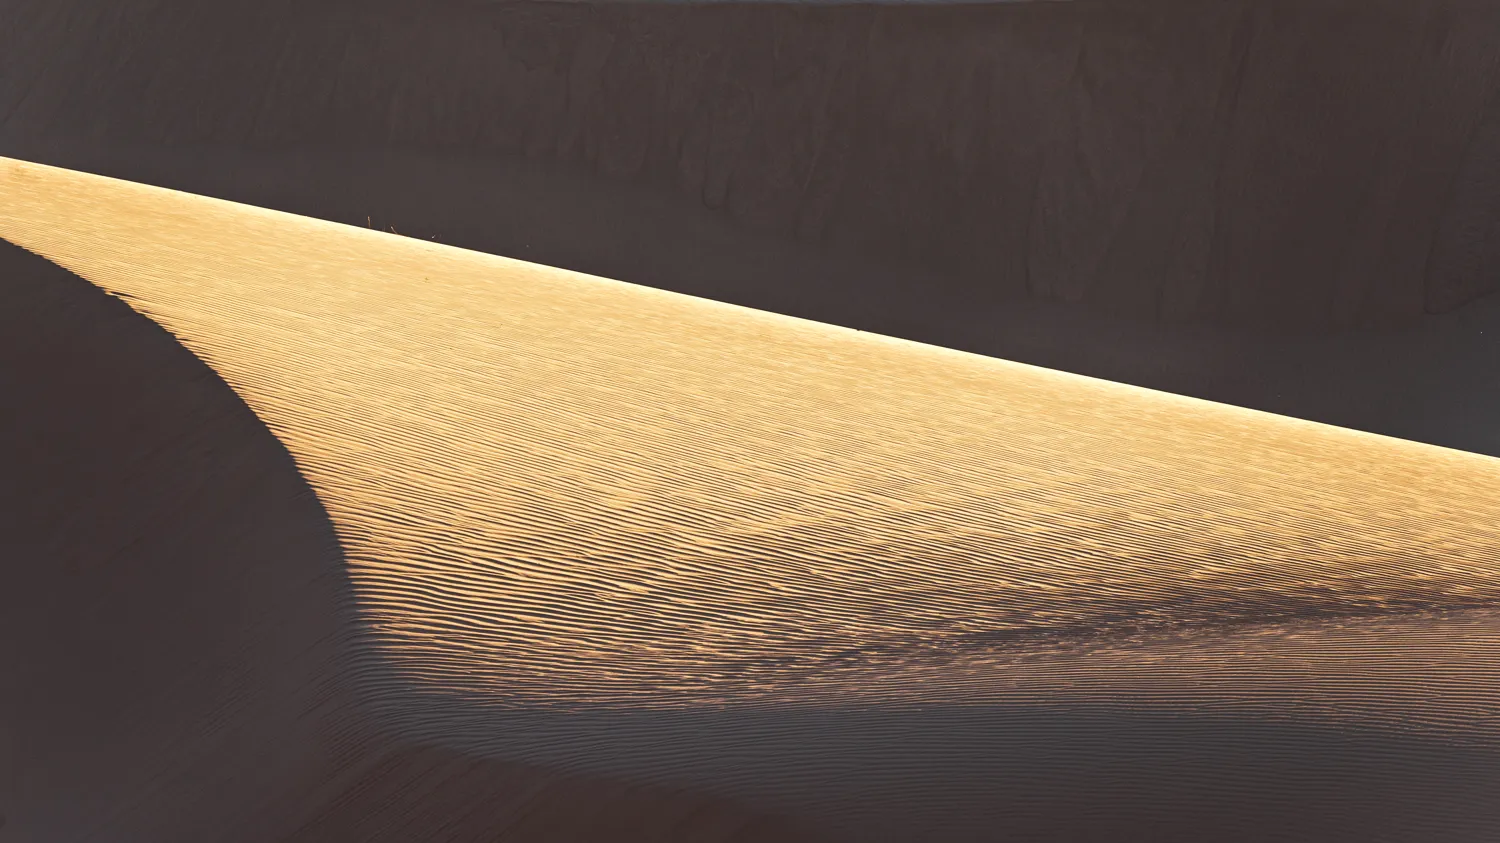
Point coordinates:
[[1284, 205], [173, 591]]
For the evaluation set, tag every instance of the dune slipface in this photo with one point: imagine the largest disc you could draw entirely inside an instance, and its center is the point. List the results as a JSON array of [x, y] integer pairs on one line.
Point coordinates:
[[879, 589], [173, 591]]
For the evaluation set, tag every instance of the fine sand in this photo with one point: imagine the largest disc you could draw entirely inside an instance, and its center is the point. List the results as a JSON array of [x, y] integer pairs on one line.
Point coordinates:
[[591, 557]]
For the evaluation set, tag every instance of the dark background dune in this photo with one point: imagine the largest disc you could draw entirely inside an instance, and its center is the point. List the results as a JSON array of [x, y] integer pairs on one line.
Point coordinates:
[[1285, 205]]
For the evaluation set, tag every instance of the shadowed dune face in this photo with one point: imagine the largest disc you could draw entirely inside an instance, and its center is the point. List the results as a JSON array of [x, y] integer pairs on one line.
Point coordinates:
[[417, 793], [174, 595], [903, 592]]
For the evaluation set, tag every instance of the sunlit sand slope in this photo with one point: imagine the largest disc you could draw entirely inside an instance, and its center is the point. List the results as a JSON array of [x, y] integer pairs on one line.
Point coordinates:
[[629, 531]]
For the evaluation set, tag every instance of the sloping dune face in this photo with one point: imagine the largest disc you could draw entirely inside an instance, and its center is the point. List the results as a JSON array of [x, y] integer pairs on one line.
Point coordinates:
[[173, 601], [629, 531]]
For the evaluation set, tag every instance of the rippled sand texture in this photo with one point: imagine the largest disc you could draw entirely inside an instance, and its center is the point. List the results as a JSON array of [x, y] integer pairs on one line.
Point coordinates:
[[559, 493]]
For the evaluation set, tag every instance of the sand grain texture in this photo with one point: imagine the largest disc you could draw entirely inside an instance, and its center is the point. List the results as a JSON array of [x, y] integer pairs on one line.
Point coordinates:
[[888, 590]]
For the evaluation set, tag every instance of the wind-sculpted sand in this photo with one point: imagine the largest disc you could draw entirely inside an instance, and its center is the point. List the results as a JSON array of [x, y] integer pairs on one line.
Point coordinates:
[[888, 590]]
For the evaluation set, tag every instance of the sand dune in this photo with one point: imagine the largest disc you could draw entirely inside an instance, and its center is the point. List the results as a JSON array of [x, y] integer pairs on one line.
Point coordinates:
[[886, 590]]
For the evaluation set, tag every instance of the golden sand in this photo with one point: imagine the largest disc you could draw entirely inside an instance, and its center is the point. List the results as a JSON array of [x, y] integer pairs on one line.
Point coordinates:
[[557, 488]]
